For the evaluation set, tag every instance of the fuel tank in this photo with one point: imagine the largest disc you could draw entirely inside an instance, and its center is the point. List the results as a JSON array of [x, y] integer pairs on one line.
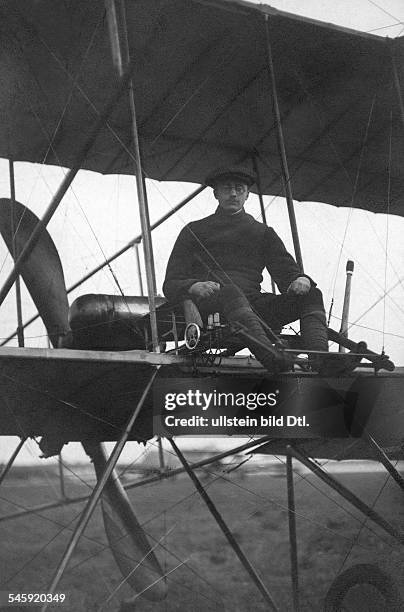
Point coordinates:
[[111, 322]]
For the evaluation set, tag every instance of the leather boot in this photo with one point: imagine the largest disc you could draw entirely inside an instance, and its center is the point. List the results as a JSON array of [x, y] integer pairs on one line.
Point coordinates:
[[238, 311], [313, 324], [313, 329], [314, 333]]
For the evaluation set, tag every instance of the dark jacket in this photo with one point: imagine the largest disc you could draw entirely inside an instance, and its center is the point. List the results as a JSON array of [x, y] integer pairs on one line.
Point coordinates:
[[228, 249]]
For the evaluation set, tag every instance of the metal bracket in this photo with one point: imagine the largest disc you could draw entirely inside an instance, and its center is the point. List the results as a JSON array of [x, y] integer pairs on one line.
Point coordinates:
[[192, 336]]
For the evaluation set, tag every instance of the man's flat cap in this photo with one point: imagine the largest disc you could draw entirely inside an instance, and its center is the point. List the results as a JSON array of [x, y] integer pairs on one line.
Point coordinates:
[[235, 172]]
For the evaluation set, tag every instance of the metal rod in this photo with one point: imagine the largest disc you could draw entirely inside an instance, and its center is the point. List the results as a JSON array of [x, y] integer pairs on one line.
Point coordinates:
[[141, 483], [261, 200], [67, 181], [121, 251], [223, 526], [138, 238], [397, 84], [20, 329], [112, 22], [282, 150], [143, 210], [10, 462], [174, 331], [97, 492], [375, 358], [347, 298], [384, 460], [149, 226], [61, 477], [292, 532], [41, 507], [121, 42], [139, 269], [259, 186], [348, 495], [161, 456]]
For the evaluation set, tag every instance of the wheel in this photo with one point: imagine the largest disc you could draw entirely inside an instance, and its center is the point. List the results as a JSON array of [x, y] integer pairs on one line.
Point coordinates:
[[363, 588]]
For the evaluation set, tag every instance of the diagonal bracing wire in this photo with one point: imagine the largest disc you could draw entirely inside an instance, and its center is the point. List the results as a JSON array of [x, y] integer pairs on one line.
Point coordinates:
[[111, 424], [371, 328], [363, 524], [90, 539], [50, 50], [328, 529], [346, 510], [384, 11], [354, 188], [387, 221], [242, 487]]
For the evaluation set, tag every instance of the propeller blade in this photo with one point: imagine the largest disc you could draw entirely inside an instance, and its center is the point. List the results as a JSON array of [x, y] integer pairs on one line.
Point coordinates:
[[42, 272], [127, 539]]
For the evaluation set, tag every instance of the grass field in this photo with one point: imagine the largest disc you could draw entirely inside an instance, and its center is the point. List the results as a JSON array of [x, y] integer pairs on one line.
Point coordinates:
[[331, 537]]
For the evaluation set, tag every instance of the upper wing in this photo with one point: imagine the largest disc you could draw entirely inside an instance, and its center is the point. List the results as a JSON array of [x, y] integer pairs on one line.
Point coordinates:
[[206, 102]]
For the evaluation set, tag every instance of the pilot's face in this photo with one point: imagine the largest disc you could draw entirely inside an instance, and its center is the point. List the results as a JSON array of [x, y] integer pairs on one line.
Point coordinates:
[[231, 194]]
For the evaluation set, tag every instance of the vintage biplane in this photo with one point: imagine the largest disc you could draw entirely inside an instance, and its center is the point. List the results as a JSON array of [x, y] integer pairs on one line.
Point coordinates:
[[169, 90]]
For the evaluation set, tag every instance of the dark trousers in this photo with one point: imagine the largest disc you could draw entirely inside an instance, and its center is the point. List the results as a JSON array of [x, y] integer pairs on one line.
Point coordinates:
[[276, 311], [279, 310]]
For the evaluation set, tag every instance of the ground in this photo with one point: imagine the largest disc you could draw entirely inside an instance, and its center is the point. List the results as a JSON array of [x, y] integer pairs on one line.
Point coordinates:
[[331, 537]]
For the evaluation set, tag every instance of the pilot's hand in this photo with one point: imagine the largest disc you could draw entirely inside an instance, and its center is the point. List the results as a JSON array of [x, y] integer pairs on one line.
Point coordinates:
[[203, 289], [300, 286]]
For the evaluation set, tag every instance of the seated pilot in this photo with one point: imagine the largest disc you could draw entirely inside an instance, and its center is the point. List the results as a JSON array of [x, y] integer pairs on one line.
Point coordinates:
[[218, 262]]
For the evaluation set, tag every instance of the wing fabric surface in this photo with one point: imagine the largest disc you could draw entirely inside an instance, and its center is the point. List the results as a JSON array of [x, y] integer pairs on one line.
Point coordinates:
[[207, 102], [89, 395]]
